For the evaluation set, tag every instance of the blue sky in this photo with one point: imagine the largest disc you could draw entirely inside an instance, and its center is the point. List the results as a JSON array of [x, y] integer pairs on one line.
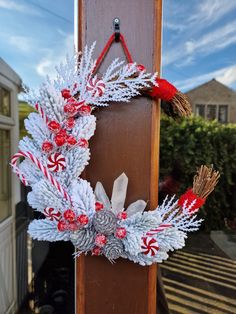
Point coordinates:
[[199, 42], [199, 39]]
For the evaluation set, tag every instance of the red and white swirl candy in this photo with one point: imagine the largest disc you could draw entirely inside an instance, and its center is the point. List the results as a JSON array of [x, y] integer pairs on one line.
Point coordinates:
[[149, 246], [51, 214], [42, 168], [56, 162], [95, 87]]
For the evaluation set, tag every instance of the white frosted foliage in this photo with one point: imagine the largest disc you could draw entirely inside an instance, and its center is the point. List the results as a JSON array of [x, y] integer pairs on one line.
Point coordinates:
[[83, 197], [43, 230], [57, 152]]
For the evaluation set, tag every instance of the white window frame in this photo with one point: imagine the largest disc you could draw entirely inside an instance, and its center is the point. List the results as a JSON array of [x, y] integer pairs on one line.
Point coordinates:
[[12, 124], [217, 110]]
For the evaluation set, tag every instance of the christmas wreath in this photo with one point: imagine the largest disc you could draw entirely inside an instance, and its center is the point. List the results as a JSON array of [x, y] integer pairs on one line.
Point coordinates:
[[57, 151]]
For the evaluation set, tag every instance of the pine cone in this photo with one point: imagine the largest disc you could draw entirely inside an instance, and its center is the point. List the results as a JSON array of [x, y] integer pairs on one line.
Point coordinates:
[[113, 249], [83, 239], [104, 222]]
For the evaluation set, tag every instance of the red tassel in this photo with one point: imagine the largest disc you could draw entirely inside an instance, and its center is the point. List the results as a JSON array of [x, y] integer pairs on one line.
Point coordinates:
[[164, 90], [189, 196]]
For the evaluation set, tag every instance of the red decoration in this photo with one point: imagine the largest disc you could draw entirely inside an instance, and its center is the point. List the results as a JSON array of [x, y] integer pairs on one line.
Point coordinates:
[[51, 214], [96, 87], [75, 103], [56, 162], [54, 126], [69, 215], [83, 143], [83, 219], [73, 226], [71, 140], [66, 93], [70, 123], [62, 132], [62, 225], [160, 228], [140, 67], [85, 110], [150, 246], [43, 169], [60, 139], [189, 197], [47, 146], [98, 206], [121, 233], [71, 100], [100, 240], [79, 104], [70, 109], [96, 251], [122, 215], [164, 90]]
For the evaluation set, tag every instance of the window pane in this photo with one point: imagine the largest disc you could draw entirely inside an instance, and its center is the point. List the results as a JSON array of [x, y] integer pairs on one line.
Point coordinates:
[[223, 114], [5, 191], [200, 110], [211, 112], [5, 102]]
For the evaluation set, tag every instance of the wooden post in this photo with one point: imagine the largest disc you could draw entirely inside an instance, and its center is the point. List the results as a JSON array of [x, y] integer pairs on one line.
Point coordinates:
[[126, 140]]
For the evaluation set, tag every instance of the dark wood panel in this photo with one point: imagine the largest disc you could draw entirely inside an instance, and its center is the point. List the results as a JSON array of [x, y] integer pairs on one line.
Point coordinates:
[[126, 139]]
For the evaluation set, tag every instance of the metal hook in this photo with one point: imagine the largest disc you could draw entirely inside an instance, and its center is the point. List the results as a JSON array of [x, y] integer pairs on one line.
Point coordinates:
[[116, 26]]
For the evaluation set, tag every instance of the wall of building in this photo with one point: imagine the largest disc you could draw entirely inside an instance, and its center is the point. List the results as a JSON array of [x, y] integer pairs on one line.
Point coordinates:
[[215, 93]]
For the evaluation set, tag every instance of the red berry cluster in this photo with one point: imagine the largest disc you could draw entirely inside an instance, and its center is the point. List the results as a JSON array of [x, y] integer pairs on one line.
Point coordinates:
[[98, 206], [122, 215], [71, 221], [121, 233], [61, 137], [101, 239], [73, 107]]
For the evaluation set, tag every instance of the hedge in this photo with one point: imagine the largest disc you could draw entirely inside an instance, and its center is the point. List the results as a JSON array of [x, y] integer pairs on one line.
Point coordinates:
[[193, 142]]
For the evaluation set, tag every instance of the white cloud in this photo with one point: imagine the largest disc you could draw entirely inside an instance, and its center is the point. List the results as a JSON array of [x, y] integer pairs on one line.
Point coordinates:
[[44, 66], [190, 60], [211, 42], [11, 5], [225, 75], [228, 76], [15, 6], [22, 43], [173, 26], [53, 57], [210, 11]]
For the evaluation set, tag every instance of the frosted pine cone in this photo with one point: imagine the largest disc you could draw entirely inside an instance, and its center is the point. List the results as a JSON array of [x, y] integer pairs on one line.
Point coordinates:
[[83, 239], [104, 222], [113, 249]]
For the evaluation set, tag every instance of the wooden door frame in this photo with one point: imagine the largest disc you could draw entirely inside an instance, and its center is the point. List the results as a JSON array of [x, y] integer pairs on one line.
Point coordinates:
[[155, 146]]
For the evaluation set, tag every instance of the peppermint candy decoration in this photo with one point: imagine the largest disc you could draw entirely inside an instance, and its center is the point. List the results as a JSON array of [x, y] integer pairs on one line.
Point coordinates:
[[51, 214], [95, 87], [150, 246], [56, 162]]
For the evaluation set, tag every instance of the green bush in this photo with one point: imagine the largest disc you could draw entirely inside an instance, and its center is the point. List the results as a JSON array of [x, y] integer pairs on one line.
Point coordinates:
[[194, 142]]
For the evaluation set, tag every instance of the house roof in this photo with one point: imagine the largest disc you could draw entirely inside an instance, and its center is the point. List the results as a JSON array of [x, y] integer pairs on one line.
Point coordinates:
[[212, 91], [9, 73], [212, 84]]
